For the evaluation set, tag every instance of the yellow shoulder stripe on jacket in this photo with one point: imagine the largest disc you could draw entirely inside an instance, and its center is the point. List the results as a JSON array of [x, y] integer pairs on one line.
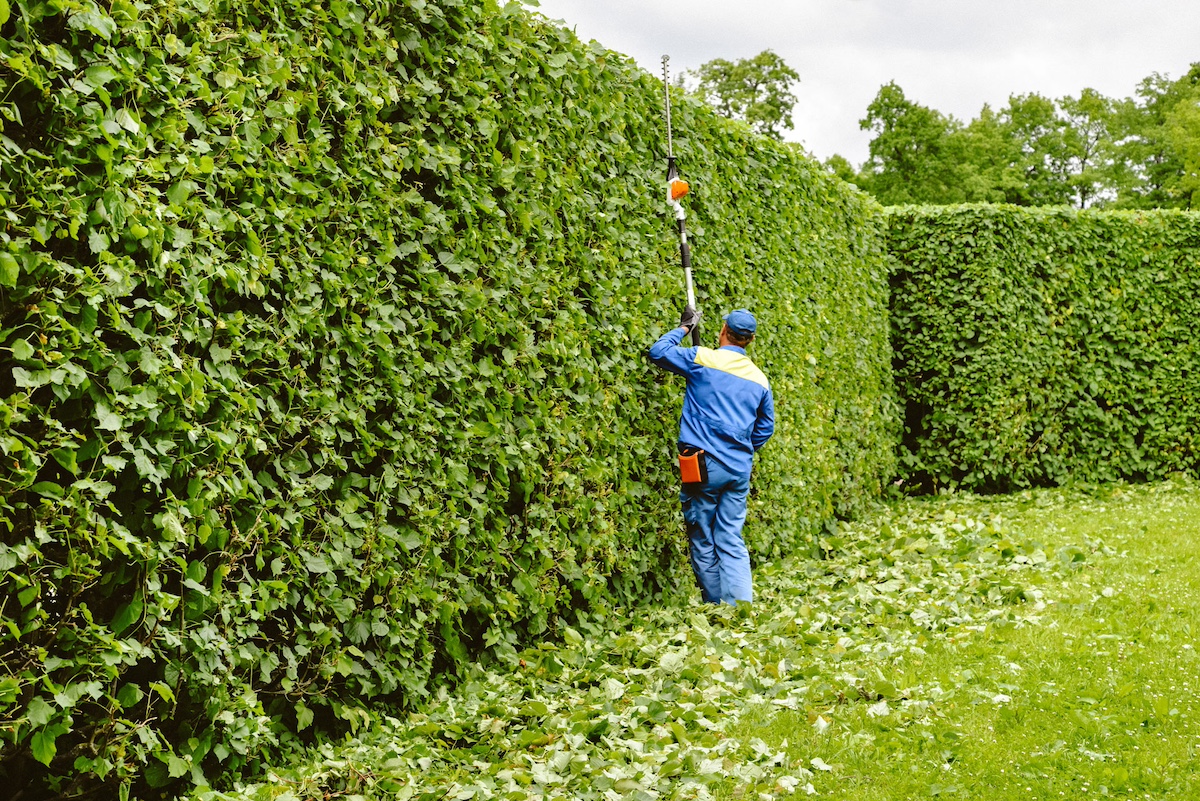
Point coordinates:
[[728, 361]]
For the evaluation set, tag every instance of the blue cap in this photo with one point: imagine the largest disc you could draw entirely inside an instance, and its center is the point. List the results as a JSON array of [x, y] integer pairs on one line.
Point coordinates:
[[741, 323]]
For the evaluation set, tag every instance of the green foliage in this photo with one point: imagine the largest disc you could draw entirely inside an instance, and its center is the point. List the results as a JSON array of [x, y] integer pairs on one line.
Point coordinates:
[[1182, 134], [1034, 346], [1156, 141], [323, 331], [913, 154], [1034, 164], [1032, 152], [754, 90], [1083, 151], [841, 167], [1086, 137]]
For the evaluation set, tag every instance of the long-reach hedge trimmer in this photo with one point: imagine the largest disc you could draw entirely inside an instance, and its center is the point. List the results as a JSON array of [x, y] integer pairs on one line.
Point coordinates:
[[676, 189]]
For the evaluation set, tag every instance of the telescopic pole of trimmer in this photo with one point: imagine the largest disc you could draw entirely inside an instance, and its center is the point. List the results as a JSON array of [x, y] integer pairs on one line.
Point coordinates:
[[676, 189]]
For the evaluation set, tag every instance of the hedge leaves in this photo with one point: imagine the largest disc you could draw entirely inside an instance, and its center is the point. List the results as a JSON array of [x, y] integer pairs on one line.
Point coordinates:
[[323, 329], [1038, 346]]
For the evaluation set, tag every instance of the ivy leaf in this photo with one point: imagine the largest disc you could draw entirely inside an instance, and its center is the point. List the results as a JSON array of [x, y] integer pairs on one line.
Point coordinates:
[[128, 121], [360, 631], [130, 695], [39, 712], [180, 191], [128, 614], [107, 419], [315, 562], [43, 747], [48, 489], [88, 319], [9, 269], [176, 766], [98, 75], [25, 378], [95, 21], [67, 458], [171, 526], [253, 244], [114, 463], [9, 686], [165, 692], [180, 237], [524, 586], [613, 689], [304, 717], [144, 464]]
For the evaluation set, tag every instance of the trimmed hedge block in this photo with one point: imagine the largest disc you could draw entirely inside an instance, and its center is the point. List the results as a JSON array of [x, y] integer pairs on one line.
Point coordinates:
[[324, 332], [1039, 346]]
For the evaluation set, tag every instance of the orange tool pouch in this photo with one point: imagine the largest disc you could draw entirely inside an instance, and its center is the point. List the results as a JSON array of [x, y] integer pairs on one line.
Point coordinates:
[[692, 469]]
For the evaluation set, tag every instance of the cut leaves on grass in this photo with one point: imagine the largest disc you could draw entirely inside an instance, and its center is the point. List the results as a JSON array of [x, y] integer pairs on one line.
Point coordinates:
[[937, 639]]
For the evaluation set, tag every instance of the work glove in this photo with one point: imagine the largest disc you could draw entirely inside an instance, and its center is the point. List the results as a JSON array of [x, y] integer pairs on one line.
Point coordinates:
[[690, 318]]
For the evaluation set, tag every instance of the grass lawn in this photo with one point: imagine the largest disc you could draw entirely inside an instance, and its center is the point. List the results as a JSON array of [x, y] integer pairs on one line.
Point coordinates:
[[1035, 646], [1098, 699]]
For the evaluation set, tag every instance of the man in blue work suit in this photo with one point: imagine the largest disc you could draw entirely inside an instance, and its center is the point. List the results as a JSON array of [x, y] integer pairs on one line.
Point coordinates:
[[728, 414]]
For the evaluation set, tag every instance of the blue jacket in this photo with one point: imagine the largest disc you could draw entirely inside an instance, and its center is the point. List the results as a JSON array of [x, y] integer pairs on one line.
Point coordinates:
[[727, 408]]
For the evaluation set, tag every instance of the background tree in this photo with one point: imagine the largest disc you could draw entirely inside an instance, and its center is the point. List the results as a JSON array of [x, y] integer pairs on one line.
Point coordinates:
[[1037, 160], [1152, 137], [914, 157], [1088, 168], [842, 168], [755, 90], [1183, 138], [989, 159], [1087, 150]]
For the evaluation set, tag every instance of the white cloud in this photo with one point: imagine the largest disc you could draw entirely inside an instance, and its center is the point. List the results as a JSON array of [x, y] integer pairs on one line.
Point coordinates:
[[949, 54]]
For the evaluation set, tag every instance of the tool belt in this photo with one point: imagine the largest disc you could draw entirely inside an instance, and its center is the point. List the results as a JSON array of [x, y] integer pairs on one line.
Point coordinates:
[[692, 467]]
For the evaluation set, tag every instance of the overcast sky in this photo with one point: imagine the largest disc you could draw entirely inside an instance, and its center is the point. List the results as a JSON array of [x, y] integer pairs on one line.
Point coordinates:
[[952, 55]]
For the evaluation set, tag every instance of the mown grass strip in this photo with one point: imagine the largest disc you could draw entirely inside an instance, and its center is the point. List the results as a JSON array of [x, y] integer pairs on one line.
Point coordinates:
[[1097, 700], [1033, 646]]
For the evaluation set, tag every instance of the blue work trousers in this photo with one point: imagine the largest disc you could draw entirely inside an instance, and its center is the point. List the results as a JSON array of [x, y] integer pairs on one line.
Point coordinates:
[[714, 513]]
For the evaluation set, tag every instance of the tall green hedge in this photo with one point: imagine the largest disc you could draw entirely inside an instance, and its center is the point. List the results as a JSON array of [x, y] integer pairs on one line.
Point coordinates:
[[323, 340], [1040, 346]]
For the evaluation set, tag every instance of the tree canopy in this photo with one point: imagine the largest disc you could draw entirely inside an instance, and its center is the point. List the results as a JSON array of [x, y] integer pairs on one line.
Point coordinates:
[[1084, 150], [755, 90]]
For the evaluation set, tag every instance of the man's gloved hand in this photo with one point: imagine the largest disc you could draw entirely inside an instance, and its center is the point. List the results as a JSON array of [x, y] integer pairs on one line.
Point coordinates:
[[689, 319]]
